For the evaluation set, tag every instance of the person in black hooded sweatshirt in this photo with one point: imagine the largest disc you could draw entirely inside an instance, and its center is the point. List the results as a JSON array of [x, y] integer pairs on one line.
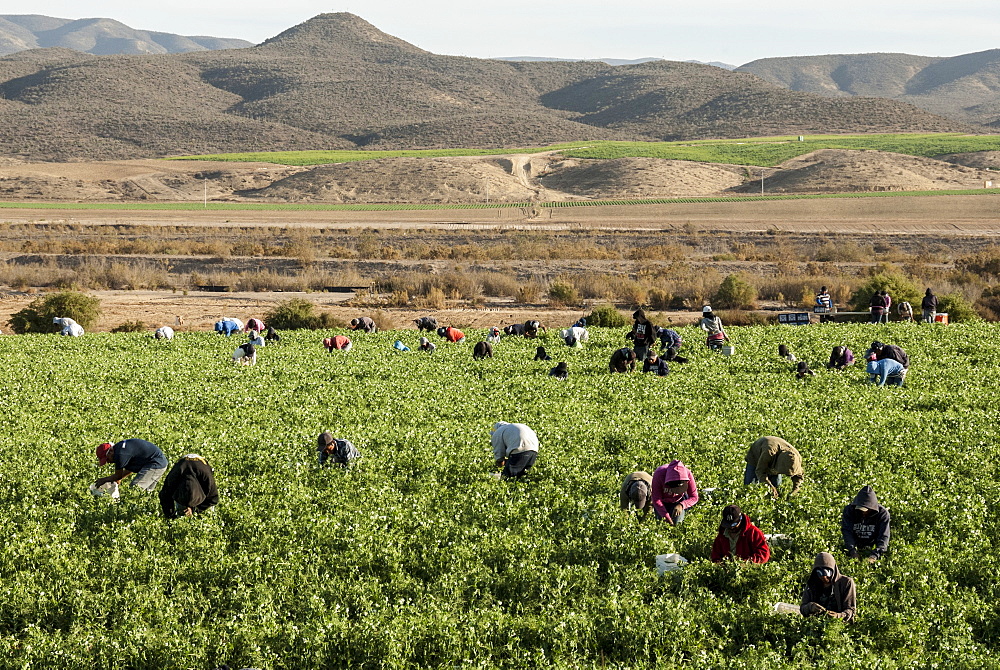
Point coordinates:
[[828, 592], [865, 524]]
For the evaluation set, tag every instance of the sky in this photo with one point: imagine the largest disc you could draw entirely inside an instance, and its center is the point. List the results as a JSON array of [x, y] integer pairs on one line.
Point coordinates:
[[728, 31]]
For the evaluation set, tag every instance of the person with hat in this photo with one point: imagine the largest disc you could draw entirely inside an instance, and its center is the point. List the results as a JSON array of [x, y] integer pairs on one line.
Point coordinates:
[[337, 343], [865, 524], [338, 452], [674, 491], [451, 334], [365, 324], [189, 488], [272, 335], [560, 371], [493, 335], [542, 355], [802, 370], [828, 592], [132, 457], [622, 360], [840, 359], [643, 334], [739, 538], [669, 338], [427, 345], [255, 338], [768, 459], [655, 363], [515, 448], [712, 325], [636, 492]]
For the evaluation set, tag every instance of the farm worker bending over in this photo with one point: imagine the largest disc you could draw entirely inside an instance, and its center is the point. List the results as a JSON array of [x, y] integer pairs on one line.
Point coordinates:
[[228, 326], [560, 371], [768, 459], [132, 457], [636, 491], [255, 338], [828, 592], [740, 538], [514, 329], [428, 323], [531, 328], [339, 452], [669, 338], [886, 371], [643, 334], [712, 325], [427, 345], [657, 364], [623, 360], [70, 327], [245, 355], [189, 488], [272, 335], [575, 336], [338, 342], [515, 447], [254, 324], [164, 333], [451, 334], [840, 358], [883, 351], [865, 523], [674, 491], [364, 323], [493, 336]]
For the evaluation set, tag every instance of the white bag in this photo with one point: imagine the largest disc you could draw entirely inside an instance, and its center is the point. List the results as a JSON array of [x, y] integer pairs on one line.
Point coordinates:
[[109, 490], [669, 563]]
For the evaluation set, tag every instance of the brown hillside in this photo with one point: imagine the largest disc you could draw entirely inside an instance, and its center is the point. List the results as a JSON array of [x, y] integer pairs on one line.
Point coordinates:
[[640, 178], [981, 160]]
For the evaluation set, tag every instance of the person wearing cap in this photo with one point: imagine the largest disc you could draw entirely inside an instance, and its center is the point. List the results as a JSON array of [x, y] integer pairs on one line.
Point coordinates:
[[768, 459], [669, 338], [712, 325], [515, 448], [622, 360], [865, 524], [802, 370], [427, 345], [739, 538], [365, 324], [272, 335], [70, 328], [451, 334], [255, 338], [656, 364], [823, 299], [785, 353], [189, 488], [674, 491], [132, 457], [828, 592], [643, 334], [164, 333], [840, 359], [493, 335], [560, 371], [636, 492], [228, 326], [428, 323], [928, 307], [338, 452], [337, 343], [883, 351], [885, 371]]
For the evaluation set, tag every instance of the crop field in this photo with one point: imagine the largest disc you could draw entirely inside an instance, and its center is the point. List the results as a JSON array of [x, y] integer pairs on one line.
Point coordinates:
[[417, 557], [760, 151]]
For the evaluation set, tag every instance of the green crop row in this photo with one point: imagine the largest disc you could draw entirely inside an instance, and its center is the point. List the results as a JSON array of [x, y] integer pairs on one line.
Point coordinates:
[[418, 557]]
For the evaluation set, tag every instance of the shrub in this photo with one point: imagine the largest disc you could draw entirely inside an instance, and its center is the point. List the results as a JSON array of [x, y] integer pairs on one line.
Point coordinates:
[[735, 293], [384, 320], [299, 314], [37, 316], [607, 316], [130, 327], [958, 309], [900, 288], [564, 293]]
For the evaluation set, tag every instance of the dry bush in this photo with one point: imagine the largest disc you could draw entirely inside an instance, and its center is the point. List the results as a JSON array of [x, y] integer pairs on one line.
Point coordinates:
[[737, 317], [529, 292], [384, 320], [499, 284]]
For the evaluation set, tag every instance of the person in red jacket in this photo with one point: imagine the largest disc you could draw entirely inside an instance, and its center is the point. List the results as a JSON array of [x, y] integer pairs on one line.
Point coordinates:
[[740, 538], [451, 334]]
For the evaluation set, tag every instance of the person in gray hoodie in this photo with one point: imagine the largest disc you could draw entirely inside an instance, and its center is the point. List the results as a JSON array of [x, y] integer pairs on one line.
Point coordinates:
[[827, 592], [865, 524], [515, 448]]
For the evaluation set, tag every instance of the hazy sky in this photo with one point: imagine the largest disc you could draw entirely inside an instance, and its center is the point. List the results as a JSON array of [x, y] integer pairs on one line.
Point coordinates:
[[730, 31]]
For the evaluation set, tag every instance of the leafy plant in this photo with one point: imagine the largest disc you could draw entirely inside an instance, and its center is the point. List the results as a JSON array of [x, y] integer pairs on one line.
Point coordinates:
[[38, 315], [735, 292], [607, 316], [299, 313]]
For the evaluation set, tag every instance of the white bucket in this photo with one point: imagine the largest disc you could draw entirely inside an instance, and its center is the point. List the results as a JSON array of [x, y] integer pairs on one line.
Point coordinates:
[[728, 350], [787, 608], [109, 490], [669, 563]]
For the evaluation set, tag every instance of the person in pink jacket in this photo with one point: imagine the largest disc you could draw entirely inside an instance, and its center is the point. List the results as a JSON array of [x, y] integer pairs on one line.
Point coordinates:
[[674, 491]]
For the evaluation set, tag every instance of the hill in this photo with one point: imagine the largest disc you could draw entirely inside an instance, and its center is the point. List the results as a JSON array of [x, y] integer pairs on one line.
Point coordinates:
[[965, 87], [337, 82], [19, 32]]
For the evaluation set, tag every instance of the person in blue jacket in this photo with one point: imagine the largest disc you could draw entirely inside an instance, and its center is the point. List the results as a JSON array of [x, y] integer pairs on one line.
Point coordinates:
[[227, 327], [886, 371]]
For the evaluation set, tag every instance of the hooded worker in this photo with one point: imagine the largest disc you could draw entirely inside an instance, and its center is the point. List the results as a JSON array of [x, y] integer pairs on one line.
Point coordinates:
[[865, 524], [739, 538], [515, 447], [840, 358], [674, 491], [560, 371], [636, 492], [189, 488], [768, 459], [828, 592]]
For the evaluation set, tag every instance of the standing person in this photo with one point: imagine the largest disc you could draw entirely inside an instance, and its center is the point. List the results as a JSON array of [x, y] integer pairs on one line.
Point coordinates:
[[643, 334], [674, 491], [654, 363], [450, 334], [928, 307], [823, 299], [515, 448], [164, 333], [712, 325], [337, 452], [768, 459], [865, 524], [840, 359], [560, 371], [622, 360], [887, 299], [877, 307], [885, 371], [70, 328], [427, 345], [132, 457], [337, 343], [828, 592], [669, 338], [636, 492], [739, 538], [189, 488], [365, 324]]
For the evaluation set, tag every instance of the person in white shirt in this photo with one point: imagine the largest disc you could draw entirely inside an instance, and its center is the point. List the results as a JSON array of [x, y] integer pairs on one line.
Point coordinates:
[[515, 447], [69, 327]]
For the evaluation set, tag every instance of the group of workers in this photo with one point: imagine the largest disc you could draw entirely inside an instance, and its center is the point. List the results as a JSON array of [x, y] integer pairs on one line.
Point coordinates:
[[865, 524], [886, 364]]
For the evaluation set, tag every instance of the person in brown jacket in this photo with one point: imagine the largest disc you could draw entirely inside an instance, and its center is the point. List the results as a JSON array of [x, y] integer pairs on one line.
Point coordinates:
[[768, 459], [828, 592], [636, 491]]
